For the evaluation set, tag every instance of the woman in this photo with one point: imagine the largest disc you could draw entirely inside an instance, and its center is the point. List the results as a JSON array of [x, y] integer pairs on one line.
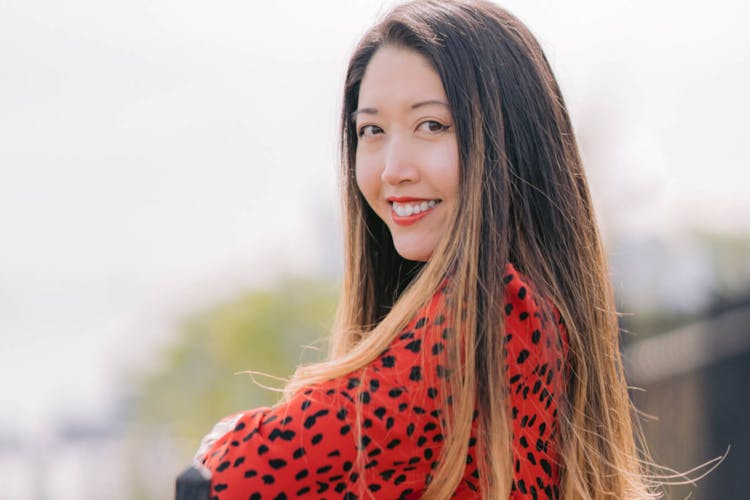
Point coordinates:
[[475, 352]]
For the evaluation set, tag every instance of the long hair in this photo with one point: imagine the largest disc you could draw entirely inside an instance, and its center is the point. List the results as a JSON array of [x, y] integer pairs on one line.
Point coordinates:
[[523, 199]]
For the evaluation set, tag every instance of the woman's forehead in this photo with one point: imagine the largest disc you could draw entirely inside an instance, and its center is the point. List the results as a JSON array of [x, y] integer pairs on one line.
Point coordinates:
[[398, 79]]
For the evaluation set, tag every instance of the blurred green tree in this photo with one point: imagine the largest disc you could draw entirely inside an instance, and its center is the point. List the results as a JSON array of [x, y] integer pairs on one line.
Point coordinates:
[[199, 382]]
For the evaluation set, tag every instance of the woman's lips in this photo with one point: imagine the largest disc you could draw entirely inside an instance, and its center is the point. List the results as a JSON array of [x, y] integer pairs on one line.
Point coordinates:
[[406, 211]]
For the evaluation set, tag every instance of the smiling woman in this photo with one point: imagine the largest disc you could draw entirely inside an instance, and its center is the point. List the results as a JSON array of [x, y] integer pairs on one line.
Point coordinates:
[[475, 352]]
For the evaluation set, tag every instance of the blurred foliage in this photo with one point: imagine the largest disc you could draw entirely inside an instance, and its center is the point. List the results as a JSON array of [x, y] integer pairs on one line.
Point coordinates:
[[263, 331]]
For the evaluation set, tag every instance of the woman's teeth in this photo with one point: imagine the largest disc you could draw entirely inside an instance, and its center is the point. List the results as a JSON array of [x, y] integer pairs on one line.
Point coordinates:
[[407, 209]]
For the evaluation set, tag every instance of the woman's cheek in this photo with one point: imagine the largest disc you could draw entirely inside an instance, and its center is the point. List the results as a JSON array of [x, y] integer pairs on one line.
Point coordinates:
[[360, 176], [368, 179]]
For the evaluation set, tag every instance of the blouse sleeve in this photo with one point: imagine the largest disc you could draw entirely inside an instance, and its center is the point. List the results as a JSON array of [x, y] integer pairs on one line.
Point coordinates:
[[309, 446]]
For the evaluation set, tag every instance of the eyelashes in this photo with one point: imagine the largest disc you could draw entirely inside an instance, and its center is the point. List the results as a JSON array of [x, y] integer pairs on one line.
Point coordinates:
[[432, 127], [440, 126], [362, 130]]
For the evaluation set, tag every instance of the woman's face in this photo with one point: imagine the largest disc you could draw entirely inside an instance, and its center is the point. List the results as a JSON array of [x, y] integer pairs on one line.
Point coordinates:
[[407, 152]]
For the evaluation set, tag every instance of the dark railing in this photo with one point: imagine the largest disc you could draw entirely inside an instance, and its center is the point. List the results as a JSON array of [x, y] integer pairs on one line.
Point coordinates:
[[695, 380], [194, 483]]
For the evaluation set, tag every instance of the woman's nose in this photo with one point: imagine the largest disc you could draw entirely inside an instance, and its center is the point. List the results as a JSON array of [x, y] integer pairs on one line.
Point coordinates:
[[400, 163]]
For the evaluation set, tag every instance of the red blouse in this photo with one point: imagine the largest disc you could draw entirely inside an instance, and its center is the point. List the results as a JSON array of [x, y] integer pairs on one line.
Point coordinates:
[[308, 446]]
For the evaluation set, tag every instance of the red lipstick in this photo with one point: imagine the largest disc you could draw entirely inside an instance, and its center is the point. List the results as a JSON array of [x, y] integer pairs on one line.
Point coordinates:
[[407, 220]]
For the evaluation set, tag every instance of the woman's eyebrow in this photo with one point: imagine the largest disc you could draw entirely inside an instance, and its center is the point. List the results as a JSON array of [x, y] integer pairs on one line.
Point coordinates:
[[374, 111], [431, 101]]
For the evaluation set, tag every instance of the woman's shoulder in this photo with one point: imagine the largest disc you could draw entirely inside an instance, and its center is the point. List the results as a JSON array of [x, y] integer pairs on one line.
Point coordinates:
[[525, 305], [527, 312], [519, 286]]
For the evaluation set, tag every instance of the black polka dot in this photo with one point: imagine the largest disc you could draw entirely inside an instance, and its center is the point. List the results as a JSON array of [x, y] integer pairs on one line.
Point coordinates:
[[277, 463], [414, 346]]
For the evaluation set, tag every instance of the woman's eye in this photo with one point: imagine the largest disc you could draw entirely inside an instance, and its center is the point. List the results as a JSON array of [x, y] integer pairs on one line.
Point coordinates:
[[433, 126], [369, 131]]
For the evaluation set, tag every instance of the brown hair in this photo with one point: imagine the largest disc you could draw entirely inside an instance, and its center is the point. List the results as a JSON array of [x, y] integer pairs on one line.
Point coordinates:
[[524, 200]]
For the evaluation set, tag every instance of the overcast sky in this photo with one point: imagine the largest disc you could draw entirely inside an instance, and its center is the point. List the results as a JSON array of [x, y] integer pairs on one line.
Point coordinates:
[[158, 155]]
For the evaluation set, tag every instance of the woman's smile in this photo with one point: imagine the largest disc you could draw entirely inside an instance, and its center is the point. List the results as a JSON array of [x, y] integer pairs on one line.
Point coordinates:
[[406, 211]]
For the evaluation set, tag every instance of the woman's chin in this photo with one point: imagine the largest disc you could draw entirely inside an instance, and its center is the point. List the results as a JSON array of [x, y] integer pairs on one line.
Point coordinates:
[[414, 253]]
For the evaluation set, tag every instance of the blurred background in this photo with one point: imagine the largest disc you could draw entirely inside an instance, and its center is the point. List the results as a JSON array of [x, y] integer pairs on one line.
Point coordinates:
[[169, 217]]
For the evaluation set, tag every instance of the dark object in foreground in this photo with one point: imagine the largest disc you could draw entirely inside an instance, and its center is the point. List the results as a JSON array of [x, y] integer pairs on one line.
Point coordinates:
[[194, 483]]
